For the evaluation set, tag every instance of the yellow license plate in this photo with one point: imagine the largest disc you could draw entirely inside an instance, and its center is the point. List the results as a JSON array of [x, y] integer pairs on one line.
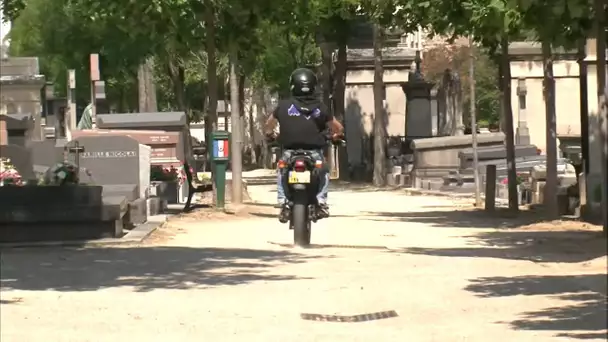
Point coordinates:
[[299, 177]]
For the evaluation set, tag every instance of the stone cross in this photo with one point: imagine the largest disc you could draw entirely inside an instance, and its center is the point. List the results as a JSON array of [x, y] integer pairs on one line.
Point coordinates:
[[75, 149]]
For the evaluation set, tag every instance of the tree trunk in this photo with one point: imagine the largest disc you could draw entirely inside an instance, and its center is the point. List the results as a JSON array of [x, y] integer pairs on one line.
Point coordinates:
[[177, 75], [210, 121], [602, 92], [508, 121], [253, 151], [340, 82], [584, 114], [379, 178], [326, 68], [262, 110], [241, 83], [550, 195], [147, 88], [236, 159], [211, 118]]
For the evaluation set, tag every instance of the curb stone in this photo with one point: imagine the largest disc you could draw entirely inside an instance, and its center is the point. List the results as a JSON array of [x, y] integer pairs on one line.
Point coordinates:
[[135, 235]]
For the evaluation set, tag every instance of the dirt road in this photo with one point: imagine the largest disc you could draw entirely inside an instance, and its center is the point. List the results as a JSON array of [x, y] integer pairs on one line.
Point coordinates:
[[386, 267]]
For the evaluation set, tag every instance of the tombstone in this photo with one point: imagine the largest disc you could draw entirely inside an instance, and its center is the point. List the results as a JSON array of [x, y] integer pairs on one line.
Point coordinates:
[[166, 147], [21, 159], [418, 117], [116, 163], [111, 160]]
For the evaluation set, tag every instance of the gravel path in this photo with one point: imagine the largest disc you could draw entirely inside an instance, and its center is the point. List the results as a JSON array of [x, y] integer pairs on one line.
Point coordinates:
[[446, 274]]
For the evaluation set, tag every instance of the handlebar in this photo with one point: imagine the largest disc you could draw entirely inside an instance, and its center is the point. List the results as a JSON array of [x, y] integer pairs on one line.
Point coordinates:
[[339, 140]]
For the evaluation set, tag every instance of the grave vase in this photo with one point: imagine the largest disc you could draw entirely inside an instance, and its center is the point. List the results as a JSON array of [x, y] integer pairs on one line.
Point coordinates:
[[168, 191]]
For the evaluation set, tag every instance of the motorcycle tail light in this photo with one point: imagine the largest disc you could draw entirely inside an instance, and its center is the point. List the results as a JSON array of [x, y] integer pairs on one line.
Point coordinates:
[[299, 166]]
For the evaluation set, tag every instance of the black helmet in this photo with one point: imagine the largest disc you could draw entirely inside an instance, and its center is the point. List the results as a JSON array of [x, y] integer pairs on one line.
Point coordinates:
[[302, 82]]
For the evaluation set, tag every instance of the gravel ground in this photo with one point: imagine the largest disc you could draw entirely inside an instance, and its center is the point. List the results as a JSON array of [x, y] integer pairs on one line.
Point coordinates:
[[386, 266]]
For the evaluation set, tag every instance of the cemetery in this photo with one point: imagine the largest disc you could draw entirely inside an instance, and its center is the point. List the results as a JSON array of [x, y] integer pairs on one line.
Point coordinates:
[[89, 184], [437, 156]]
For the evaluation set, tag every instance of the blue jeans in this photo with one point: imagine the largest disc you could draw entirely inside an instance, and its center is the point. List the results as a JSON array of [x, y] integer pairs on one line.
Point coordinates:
[[324, 188]]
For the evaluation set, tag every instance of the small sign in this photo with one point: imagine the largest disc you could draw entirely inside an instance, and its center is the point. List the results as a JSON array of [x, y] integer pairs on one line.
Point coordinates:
[[72, 78], [100, 90], [220, 149], [94, 63]]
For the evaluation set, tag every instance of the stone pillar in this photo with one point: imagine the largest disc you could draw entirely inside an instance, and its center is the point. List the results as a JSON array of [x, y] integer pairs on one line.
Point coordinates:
[[3, 131], [522, 135]]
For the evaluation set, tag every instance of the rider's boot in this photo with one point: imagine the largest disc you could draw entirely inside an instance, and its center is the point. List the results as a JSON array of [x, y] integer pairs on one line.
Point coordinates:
[[322, 211], [284, 212]]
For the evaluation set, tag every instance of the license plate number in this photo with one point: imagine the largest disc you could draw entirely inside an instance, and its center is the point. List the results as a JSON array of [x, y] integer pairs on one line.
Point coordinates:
[[299, 177]]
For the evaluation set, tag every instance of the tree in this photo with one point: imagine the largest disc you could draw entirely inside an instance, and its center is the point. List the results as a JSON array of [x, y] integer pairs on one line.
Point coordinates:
[[379, 177], [11, 9], [487, 100], [564, 23]]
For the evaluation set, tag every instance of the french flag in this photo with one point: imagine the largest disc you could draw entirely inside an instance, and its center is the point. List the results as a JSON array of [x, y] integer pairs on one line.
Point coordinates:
[[220, 148]]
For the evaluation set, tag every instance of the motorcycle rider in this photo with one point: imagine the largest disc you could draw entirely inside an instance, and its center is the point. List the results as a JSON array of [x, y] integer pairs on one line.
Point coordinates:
[[302, 119]]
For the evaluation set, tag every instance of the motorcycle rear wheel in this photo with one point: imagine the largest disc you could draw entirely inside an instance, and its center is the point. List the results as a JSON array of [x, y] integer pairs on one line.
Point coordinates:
[[301, 225]]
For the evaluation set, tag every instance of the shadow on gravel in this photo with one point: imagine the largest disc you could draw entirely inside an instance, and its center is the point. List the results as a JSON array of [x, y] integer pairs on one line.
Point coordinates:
[[537, 246], [338, 185], [462, 218], [583, 315], [144, 268]]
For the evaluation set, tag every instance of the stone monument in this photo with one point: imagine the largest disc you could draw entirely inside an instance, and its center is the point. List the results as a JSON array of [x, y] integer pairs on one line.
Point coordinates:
[[418, 116], [21, 84]]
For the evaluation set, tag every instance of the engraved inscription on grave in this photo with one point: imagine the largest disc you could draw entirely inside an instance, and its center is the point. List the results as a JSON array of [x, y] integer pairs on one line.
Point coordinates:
[[109, 154]]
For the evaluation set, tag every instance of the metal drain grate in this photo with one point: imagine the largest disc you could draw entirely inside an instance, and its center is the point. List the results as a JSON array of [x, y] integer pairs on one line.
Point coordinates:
[[288, 245], [350, 319]]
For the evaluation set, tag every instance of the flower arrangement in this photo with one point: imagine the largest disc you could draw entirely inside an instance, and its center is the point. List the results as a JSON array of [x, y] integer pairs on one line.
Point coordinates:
[[520, 179], [64, 173], [164, 174], [8, 173], [183, 176]]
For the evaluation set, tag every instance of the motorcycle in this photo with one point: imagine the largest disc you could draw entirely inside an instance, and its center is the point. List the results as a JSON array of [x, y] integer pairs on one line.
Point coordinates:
[[301, 181]]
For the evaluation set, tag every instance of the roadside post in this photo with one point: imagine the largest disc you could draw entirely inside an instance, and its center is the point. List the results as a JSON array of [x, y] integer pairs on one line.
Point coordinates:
[[220, 156]]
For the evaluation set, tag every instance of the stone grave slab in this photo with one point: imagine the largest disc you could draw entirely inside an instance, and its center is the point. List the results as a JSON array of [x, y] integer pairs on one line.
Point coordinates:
[[59, 213], [487, 153], [142, 120]]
